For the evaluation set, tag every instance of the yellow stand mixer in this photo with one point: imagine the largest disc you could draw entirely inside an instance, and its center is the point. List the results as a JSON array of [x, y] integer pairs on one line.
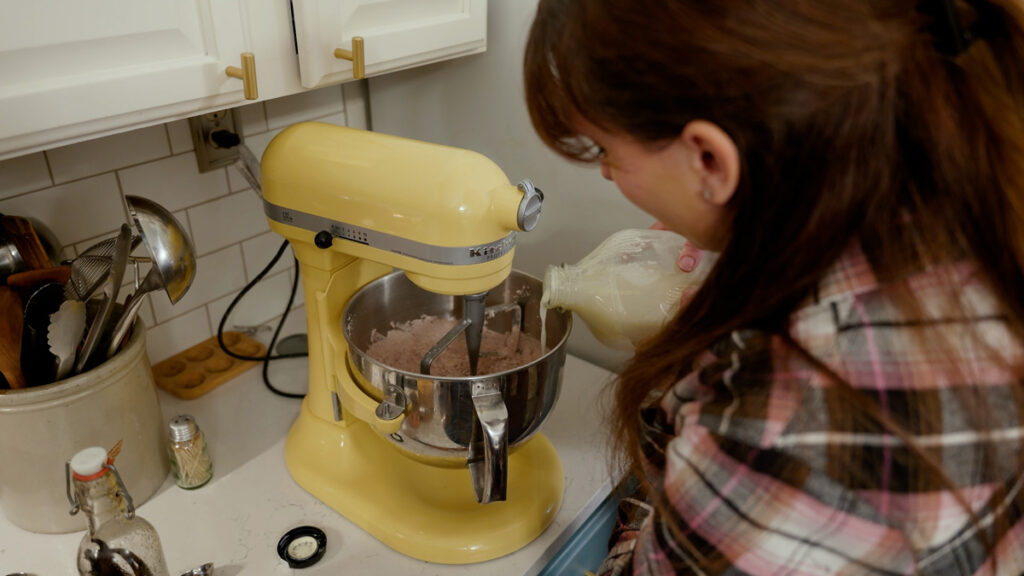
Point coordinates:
[[354, 205]]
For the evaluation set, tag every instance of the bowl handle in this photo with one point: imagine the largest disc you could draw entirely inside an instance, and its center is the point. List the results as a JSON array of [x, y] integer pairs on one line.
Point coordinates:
[[490, 473], [385, 417]]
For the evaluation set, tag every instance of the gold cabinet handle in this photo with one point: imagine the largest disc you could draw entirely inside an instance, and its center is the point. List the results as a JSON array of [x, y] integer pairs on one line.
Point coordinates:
[[356, 55], [247, 74]]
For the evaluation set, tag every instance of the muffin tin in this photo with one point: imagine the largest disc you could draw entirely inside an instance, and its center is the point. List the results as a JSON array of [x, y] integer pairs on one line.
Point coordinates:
[[205, 366]]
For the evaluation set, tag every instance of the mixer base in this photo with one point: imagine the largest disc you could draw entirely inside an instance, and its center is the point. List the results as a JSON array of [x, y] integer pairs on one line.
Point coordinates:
[[423, 511]]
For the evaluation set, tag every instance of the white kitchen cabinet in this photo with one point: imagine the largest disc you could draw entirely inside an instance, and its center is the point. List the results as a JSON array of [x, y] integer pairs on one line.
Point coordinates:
[[396, 34], [71, 70]]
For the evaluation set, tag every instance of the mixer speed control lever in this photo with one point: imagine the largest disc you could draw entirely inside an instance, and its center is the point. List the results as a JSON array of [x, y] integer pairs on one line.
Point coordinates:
[[323, 239]]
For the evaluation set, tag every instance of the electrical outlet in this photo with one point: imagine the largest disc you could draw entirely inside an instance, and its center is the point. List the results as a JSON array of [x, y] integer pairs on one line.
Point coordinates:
[[216, 136]]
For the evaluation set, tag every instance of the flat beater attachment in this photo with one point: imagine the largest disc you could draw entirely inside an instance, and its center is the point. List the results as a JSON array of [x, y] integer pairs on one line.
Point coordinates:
[[504, 318]]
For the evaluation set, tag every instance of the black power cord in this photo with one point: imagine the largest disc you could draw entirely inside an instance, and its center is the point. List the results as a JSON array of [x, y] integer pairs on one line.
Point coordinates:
[[268, 357]]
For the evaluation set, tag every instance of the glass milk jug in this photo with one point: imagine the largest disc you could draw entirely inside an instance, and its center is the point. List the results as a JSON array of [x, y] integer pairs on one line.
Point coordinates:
[[116, 541], [628, 287]]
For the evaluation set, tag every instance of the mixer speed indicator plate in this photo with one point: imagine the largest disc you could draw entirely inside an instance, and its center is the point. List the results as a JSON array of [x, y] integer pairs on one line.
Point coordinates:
[[448, 255], [353, 233]]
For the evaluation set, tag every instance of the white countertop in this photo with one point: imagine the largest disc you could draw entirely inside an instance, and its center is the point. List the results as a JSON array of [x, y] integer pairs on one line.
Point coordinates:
[[236, 520]]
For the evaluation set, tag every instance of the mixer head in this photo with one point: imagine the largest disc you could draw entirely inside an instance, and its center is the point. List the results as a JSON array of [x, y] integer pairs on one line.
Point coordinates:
[[446, 216]]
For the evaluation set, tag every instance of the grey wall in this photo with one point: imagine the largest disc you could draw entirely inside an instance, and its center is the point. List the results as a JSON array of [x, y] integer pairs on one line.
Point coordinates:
[[477, 103]]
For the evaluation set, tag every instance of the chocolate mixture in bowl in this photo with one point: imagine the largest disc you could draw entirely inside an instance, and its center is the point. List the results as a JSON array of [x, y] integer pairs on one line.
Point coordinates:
[[405, 345]]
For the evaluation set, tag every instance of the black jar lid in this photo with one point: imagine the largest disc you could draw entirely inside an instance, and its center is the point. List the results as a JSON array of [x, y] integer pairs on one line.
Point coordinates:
[[302, 547]]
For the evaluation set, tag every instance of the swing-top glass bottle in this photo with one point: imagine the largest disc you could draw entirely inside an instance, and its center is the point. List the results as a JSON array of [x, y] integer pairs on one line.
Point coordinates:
[[117, 541]]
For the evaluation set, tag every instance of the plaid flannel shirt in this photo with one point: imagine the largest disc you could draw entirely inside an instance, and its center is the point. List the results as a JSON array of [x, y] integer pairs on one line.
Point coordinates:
[[764, 470]]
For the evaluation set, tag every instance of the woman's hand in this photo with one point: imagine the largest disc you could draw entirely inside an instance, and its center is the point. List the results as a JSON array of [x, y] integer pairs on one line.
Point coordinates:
[[689, 259]]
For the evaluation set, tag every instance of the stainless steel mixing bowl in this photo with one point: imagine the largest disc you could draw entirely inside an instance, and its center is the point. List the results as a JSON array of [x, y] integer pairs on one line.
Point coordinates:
[[459, 421]]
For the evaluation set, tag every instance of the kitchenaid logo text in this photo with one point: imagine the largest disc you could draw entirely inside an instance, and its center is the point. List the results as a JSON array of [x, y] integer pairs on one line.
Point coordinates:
[[490, 252]]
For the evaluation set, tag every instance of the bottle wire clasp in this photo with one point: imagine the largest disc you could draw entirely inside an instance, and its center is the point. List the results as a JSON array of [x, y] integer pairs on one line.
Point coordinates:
[[76, 506]]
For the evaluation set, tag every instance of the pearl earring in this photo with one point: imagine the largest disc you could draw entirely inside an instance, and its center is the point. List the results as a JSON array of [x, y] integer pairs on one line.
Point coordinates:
[[706, 193]]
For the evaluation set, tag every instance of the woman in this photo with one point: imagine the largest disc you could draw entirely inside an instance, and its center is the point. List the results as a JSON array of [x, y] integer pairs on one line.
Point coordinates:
[[844, 394]]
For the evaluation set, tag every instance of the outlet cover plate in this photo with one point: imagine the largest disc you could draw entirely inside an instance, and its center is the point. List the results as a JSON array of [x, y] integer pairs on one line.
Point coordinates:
[[209, 156]]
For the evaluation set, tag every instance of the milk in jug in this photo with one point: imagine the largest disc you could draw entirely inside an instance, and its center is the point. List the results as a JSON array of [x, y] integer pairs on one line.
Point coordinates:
[[628, 287]]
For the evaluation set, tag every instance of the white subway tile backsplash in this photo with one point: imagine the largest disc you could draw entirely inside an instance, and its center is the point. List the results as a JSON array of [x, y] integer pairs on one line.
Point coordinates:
[[180, 135], [305, 106], [146, 311], [300, 295], [226, 221], [85, 244], [257, 253], [253, 118], [338, 119], [236, 182], [222, 215], [356, 104], [174, 182], [169, 338], [217, 274], [24, 174], [258, 143], [295, 323], [75, 211], [182, 217], [108, 153], [263, 302]]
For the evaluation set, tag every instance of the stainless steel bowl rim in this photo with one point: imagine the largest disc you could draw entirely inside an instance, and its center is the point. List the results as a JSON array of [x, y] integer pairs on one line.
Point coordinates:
[[467, 379]]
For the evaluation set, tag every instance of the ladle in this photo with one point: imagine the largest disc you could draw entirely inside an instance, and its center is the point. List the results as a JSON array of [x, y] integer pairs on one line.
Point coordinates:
[[174, 261]]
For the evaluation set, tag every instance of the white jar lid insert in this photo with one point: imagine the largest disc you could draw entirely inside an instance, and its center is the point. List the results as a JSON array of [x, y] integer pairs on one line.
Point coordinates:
[[89, 461]]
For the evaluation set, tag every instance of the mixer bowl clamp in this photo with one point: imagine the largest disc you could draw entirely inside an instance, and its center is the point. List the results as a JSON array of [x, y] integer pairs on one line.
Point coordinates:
[[393, 405]]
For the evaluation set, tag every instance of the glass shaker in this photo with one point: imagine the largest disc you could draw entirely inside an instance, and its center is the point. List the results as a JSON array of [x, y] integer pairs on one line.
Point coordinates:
[[117, 541], [190, 460]]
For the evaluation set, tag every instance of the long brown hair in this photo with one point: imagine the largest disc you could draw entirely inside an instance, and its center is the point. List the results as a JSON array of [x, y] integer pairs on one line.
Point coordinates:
[[848, 117]]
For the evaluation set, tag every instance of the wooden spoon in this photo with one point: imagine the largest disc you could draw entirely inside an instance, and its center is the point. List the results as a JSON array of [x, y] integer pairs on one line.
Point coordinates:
[[31, 279], [11, 319]]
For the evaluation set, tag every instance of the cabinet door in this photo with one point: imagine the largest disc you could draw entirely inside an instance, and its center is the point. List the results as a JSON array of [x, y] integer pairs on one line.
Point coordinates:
[[396, 34], [71, 70]]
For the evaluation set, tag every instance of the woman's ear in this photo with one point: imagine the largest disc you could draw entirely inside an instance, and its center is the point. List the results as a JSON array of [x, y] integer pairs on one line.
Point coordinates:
[[715, 158]]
